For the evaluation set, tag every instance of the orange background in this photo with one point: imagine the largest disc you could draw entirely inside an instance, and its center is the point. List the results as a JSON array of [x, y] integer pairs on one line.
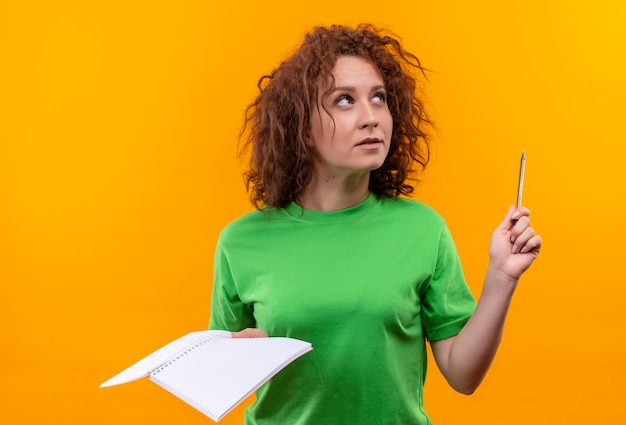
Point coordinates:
[[117, 171]]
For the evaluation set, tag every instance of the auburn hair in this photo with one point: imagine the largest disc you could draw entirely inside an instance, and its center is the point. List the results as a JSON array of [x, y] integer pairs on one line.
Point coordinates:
[[277, 123]]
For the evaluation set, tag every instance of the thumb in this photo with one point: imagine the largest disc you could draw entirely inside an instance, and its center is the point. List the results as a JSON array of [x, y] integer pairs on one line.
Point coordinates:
[[508, 222], [250, 333]]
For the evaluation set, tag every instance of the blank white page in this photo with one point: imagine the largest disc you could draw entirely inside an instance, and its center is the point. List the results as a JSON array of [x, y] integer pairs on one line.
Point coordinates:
[[217, 375], [146, 365]]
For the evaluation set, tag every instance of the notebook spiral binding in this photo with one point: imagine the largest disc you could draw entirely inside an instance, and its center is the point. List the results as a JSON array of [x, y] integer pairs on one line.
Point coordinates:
[[183, 352]]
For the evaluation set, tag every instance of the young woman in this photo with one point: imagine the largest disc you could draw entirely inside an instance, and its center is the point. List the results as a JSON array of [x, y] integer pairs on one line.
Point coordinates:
[[335, 256]]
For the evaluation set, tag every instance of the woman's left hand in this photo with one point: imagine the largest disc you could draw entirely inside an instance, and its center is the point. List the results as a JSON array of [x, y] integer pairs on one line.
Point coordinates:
[[514, 244], [250, 333]]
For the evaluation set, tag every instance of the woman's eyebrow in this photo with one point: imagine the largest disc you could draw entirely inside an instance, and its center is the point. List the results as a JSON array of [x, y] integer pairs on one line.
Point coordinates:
[[353, 89], [344, 88]]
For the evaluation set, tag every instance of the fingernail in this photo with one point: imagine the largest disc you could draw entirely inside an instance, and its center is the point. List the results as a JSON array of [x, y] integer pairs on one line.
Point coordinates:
[[523, 250], [515, 215], [514, 250], [513, 239]]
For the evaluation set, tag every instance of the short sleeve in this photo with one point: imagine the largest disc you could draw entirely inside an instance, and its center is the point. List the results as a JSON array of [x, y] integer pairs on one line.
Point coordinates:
[[228, 311], [447, 302]]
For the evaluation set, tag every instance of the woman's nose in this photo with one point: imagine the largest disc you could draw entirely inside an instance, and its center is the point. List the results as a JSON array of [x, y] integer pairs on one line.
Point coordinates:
[[368, 117]]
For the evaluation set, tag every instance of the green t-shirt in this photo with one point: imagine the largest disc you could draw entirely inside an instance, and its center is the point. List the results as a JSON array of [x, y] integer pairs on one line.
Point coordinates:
[[365, 285]]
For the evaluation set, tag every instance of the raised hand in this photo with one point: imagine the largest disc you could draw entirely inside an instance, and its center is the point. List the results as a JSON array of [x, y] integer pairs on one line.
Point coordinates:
[[514, 244]]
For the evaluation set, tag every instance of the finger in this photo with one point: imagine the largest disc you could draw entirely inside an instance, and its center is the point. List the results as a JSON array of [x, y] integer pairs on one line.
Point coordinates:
[[507, 223], [520, 212], [250, 333], [522, 242], [519, 227], [512, 215], [533, 245]]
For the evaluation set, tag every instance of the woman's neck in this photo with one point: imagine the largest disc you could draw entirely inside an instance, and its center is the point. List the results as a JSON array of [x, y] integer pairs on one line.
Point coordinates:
[[331, 193]]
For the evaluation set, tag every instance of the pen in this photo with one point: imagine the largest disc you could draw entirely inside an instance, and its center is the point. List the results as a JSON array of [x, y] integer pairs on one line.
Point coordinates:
[[520, 186]]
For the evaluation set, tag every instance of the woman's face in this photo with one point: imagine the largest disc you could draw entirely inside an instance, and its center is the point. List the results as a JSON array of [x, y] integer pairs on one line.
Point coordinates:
[[353, 133]]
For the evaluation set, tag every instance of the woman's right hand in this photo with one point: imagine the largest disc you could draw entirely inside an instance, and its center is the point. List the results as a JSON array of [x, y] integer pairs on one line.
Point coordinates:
[[250, 333]]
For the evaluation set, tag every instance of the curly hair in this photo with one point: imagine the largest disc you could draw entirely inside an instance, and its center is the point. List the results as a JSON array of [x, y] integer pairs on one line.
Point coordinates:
[[277, 124]]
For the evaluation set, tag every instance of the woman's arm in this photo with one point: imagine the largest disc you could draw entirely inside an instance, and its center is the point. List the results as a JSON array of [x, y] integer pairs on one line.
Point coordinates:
[[465, 358]]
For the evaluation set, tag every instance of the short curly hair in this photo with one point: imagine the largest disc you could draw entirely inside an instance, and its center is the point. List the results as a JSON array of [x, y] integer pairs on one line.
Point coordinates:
[[277, 123]]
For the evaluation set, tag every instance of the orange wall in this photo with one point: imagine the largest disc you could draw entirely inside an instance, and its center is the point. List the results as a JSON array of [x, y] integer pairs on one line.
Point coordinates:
[[117, 170]]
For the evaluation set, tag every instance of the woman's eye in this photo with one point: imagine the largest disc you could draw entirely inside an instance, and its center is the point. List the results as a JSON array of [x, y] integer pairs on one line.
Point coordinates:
[[380, 97], [343, 100]]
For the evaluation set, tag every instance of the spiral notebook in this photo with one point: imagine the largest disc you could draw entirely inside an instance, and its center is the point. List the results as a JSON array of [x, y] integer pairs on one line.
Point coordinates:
[[212, 371]]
